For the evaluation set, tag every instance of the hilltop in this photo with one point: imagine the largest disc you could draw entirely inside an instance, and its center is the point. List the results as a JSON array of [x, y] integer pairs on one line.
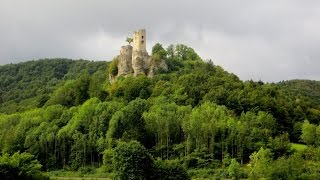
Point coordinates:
[[305, 88], [194, 116]]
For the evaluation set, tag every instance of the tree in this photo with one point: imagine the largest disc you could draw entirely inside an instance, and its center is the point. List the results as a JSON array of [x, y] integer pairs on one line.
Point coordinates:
[[171, 51], [204, 124], [308, 135], [259, 165], [280, 145], [164, 120], [132, 161], [129, 40], [186, 53], [159, 52], [234, 169], [20, 166], [72, 93], [127, 123], [170, 170], [113, 67]]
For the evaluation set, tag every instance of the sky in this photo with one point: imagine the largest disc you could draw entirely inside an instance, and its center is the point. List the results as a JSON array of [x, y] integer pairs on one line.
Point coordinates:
[[268, 40]]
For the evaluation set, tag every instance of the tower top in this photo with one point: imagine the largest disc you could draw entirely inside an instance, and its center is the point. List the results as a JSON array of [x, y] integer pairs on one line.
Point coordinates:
[[140, 40]]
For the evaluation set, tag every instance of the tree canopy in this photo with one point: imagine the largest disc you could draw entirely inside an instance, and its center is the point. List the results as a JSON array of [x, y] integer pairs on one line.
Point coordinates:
[[65, 114]]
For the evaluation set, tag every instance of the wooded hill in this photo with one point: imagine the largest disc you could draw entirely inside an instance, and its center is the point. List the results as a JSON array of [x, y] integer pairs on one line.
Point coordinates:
[[306, 88], [195, 116]]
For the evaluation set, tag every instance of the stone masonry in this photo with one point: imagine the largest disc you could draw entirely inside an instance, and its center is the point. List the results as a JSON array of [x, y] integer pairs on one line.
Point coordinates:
[[134, 60]]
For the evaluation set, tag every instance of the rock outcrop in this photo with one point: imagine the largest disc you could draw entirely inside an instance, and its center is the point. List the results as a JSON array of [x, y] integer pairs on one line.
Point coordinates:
[[125, 61], [135, 60]]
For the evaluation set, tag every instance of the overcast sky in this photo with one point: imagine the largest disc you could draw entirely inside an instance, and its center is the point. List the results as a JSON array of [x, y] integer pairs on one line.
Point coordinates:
[[269, 40]]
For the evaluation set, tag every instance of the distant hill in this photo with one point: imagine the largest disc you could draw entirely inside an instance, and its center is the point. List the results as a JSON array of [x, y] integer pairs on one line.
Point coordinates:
[[29, 84], [305, 88]]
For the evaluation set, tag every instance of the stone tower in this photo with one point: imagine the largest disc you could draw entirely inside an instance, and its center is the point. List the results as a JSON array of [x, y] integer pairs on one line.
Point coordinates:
[[140, 55], [140, 40], [134, 60]]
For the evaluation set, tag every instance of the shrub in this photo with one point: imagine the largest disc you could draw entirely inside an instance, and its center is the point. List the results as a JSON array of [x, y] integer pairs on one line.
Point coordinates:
[[107, 159], [132, 161], [86, 170], [20, 166], [234, 169], [113, 67], [170, 170]]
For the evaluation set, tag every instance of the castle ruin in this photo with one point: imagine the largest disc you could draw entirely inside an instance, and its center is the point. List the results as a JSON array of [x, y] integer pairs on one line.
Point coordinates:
[[135, 60]]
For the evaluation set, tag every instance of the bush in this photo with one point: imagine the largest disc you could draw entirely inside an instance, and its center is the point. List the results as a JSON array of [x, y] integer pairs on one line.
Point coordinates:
[[132, 161], [107, 159], [234, 169], [86, 170], [20, 166], [170, 170], [113, 67]]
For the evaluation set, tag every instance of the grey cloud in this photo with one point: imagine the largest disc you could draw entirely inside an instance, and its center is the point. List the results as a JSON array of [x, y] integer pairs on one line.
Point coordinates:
[[267, 39]]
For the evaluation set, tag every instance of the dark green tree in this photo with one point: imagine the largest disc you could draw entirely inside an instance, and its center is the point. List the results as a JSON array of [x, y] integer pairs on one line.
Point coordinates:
[[132, 161]]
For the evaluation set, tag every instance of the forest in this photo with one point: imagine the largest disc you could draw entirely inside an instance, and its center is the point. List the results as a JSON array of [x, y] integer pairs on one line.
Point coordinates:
[[195, 121]]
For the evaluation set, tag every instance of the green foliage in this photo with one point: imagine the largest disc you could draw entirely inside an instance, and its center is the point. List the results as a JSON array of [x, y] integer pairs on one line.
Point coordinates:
[[20, 166], [303, 89], [308, 135], [107, 159], [73, 93], [170, 170], [131, 88], [127, 123], [164, 121], [234, 169], [280, 145], [158, 52], [132, 161], [70, 117], [29, 85], [113, 67], [129, 40], [298, 147], [260, 164], [301, 165], [184, 52]]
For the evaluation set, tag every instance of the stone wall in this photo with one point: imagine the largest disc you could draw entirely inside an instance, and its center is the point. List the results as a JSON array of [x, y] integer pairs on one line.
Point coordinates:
[[135, 59], [125, 61]]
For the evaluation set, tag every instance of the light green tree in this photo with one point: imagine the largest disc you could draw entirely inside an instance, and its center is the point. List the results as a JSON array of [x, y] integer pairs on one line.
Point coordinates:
[[259, 165], [129, 40], [164, 120], [308, 135], [234, 169]]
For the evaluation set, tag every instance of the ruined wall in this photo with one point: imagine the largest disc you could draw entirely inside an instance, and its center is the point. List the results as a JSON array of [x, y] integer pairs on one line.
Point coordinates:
[[140, 62], [135, 59], [156, 65], [125, 61]]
